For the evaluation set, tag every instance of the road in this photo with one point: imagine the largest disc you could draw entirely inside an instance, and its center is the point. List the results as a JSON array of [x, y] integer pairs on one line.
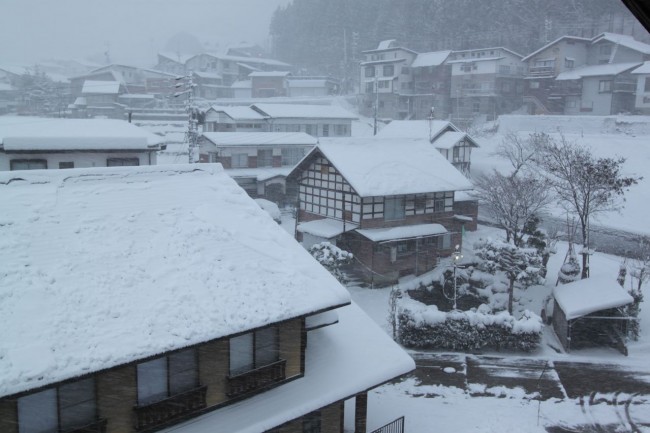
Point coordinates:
[[597, 388]]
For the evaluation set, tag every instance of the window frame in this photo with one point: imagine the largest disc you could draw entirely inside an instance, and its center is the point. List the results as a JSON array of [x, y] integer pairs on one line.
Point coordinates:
[[265, 157], [254, 364], [65, 165], [123, 162], [605, 86], [394, 208], [143, 401], [236, 160], [28, 161]]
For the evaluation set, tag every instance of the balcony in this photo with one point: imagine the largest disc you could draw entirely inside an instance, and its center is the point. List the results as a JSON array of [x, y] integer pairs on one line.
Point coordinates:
[[396, 426], [625, 86], [256, 379], [541, 71], [98, 426], [170, 408], [566, 89]]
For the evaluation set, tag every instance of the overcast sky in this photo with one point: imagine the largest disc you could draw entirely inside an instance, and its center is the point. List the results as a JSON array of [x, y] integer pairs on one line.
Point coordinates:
[[133, 31]]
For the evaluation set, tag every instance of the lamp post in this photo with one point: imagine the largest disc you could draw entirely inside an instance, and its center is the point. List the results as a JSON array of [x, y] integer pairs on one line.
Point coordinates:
[[456, 256]]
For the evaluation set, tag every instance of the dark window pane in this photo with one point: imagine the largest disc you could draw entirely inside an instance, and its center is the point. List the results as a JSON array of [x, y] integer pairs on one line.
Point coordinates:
[[37, 412], [241, 354], [183, 371], [66, 164], [152, 381], [266, 346], [119, 162]]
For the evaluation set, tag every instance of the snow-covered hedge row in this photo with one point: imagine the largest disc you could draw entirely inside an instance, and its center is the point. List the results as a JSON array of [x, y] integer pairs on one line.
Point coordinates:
[[424, 326]]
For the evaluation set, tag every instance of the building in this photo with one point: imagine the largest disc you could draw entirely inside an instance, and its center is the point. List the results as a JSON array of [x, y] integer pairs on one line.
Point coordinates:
[[431, 86], [268, 84], [485, 82], [642, 101], [388, 201], [29, 143], [232, 68], [574, 75], [456, 146], [128, 319], [315, 120], [307, 86], [234, 119], [258, 161]]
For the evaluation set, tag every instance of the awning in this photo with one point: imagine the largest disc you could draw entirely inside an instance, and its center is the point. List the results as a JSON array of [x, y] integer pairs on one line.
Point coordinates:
[[326, 228], [405, 232]]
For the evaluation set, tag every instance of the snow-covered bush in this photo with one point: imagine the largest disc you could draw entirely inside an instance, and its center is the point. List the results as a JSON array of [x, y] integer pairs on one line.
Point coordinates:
[[424, 326], [570, 270], [331, 258]]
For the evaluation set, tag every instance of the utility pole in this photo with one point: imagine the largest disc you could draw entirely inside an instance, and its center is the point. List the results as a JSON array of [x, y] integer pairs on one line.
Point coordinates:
[[376, 103], [191, 135]]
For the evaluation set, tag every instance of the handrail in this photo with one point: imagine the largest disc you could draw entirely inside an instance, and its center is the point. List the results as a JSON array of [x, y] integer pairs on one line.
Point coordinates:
[[396, 426], [176, 406], [256, 379]]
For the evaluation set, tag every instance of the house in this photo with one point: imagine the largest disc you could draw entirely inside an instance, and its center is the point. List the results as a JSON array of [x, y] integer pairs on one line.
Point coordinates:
[[308, 86], [232, 68], [128, 319], [456, 146], [28, 143], [267, 84], [431, 85], [258, 161], [210, 86], [172, 63], [315, 120], [564, 76], [384, 74], [485, 82], [390, 202], [587, 311], [234, 119], [242, 89], [642, 101]]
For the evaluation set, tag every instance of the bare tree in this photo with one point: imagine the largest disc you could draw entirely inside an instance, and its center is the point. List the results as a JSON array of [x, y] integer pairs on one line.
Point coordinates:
[[585, 185], [513, 201], [520, 151]]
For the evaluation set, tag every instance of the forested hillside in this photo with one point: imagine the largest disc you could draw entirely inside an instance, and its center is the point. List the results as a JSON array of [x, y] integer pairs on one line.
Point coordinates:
[[323, 36]]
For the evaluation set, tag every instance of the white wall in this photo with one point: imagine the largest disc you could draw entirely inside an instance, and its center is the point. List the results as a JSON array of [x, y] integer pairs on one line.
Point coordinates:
[[80, 159]]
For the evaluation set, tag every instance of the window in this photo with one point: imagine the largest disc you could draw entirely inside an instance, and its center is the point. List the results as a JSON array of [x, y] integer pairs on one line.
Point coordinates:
[[444, 241], [214, 157], [27, 164], [605, 86], [389, 70], [394, 208], [167, 376], [62, 408], [265, 157], [569, 63], [646, 87], [292, 155], [66, 165], [119, 162], [504, 69], [370, 71], [239, 160], [439, 202], [406, 70], [326, 130], [254, 350], [370, 87]]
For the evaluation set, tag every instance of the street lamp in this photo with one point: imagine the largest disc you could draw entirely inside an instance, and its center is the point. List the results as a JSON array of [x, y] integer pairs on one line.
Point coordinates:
[[456, 256]]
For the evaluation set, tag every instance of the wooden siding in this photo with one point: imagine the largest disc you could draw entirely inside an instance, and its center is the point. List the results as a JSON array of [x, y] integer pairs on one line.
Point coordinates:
[[117, 387], [323, 191]]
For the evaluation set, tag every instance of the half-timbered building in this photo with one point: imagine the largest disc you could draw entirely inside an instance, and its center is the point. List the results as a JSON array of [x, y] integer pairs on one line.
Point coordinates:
[[141, 299], [389, 202]]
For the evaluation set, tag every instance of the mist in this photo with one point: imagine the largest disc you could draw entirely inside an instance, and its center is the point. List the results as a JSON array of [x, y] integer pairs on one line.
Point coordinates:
[[128, 31]]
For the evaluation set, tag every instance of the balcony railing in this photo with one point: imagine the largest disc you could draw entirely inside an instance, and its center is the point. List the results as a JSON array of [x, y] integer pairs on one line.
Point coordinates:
[[624, 86], [396, 426], [541, 71], [98, 426], [256, 379], [170, 408]]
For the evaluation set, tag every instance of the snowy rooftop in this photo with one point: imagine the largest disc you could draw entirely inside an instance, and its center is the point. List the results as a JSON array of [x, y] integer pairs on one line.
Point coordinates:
[[239, 112], [434, 58], [379, 167], [105, 266], [326, 227], [550, 44], [414, 129], [384, 45], [259, 138], [402, 232], [242, 84], [301, 111], [587, 296], [211, 75], [449, 139], [260, 173], [476, 59], [342, 360], [36, 133], [102, 87], [269, 74], [176, 57], [596, 70], [624, 40], [643, 69]]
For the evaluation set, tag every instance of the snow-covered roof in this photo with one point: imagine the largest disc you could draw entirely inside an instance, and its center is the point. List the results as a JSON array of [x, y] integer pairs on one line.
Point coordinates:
[[242, 84], [36, 133], [269, 74], [308, 83], [6, 87], [261, 174], [176, 57], [587, 296], [402, 232], [302, 111], [489, 49], [415, 129], [384, 45], [136, 96], [101, 87], [380, 167], [211, 75], [643, 69], [434, 58], [550, 44], [596, 71], [449, 139], [342, 360], [475, 59], [260, 138], [238, 112], [15, 69], [624, 40], [326, 227], [129, 262]]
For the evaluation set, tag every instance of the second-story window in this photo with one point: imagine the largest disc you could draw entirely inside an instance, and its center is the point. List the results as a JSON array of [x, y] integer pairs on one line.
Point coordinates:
[[254, 350], [265, 158], [605, 86], [394, 208], [167, 376], [65, 407], [370, 71], [239, 160], [389, 70]]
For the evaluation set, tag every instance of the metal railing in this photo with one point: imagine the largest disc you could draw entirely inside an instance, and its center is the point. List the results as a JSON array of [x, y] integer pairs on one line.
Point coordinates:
[[396, 426], [170, 408], [98, 426], [255, 379]]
